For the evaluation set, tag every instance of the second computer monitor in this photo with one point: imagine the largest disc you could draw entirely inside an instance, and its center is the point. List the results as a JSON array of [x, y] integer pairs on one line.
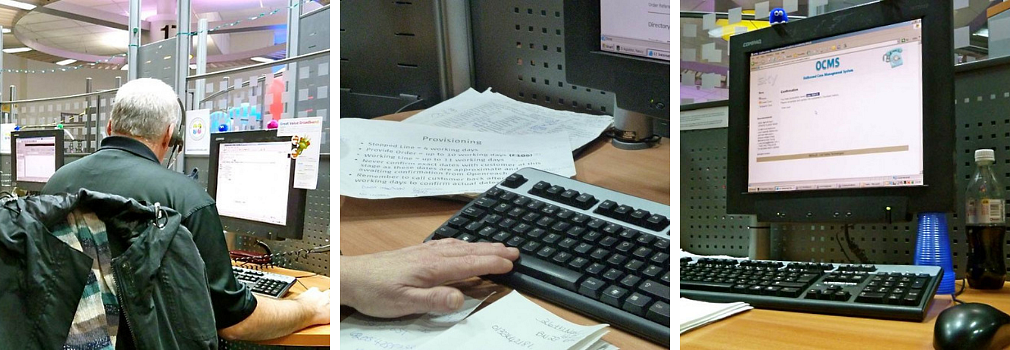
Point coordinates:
[[252, 181], [35, 156], [846, 116]]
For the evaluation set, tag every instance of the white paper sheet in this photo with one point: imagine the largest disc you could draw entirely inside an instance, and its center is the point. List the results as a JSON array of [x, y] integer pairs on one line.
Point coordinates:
[[494, 112], [384, 159], [514, 322], [197, 132], [361, 332], [306, 163], [693, 314]]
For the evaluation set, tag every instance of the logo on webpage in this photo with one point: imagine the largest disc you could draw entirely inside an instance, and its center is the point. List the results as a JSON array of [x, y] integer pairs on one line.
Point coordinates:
[[828, 63], [893, 57]]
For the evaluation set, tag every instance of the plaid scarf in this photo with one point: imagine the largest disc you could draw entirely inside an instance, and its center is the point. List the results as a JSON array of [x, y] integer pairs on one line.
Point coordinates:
[[96, 322]]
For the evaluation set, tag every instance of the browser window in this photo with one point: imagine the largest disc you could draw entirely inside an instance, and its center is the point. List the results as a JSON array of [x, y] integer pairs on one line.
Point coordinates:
[[636, 27]]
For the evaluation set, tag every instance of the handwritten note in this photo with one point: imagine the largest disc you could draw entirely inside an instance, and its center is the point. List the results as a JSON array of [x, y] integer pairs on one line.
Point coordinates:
[[514, 322], [359, 332], [494, 112], [383, 159]]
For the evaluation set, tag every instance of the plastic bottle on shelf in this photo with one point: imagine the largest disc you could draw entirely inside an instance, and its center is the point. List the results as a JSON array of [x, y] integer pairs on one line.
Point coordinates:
[[985, 223]]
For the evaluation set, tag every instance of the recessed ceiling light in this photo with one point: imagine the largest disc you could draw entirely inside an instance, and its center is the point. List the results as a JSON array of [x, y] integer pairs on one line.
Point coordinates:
[[66, 61], [17, 49], [262, 59], [17, 4]]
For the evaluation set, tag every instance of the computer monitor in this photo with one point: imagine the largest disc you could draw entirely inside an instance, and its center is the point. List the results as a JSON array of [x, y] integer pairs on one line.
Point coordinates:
[[252, 180], [622, 46], [35, 156], [844, 117]]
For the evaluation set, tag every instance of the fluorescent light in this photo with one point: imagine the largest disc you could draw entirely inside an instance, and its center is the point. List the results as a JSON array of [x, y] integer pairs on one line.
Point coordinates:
[[66, 61], [262, 59], [125, 67], [6, 30], [17, 4], [17, 49]]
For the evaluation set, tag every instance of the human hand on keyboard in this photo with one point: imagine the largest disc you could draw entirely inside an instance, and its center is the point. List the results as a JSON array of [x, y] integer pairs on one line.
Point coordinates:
[[411, 280]]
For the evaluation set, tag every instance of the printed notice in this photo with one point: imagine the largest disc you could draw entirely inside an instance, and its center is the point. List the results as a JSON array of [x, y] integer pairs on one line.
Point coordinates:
[[5, 137], [514, 322], [708, 118], [384, 159], [361, 332], [493, 112], [198, 132], [306, 136]]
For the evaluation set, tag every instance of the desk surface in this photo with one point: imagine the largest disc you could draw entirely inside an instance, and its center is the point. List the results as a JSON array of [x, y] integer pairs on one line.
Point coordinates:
[[312, 336], [370, 226], [768, 329]]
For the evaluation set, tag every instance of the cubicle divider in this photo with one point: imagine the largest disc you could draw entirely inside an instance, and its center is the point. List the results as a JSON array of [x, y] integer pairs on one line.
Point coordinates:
[[982, 99]]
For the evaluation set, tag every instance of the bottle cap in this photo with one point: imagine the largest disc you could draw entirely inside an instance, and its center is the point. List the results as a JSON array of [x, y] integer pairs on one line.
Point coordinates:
[[985, 154]]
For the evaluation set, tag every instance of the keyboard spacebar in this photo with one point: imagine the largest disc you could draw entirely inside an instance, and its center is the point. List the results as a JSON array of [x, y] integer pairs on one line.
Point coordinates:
[[548, 272], [709, 286]]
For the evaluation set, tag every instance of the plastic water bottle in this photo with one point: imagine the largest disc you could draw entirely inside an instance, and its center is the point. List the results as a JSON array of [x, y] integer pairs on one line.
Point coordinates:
[[985, 221]]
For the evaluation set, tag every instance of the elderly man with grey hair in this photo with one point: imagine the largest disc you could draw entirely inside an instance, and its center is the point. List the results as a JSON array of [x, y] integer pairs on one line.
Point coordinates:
[[144, 117]]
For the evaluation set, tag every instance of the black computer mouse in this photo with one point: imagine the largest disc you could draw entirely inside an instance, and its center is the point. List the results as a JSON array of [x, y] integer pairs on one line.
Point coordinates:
[[971, 326]]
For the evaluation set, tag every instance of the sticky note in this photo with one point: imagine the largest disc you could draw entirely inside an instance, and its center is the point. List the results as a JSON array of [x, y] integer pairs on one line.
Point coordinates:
[[690, 30], [709, 80], [687, 78], [735, 15], [961, 37], [761, 10], [689, 55], [791, 5], [708, 21], [324, 68]]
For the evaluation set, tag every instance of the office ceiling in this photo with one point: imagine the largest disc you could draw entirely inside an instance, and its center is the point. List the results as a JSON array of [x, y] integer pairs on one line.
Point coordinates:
[[90, 30]]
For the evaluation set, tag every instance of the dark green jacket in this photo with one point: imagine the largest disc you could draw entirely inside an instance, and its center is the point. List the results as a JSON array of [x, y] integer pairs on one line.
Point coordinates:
[[159, 275], [126, 167]]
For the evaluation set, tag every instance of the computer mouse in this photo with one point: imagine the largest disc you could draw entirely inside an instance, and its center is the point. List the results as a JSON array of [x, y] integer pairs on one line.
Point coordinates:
[[971, 326]]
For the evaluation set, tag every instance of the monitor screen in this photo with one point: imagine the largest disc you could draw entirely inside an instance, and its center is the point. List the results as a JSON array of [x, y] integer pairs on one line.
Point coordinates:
[[636, 27], [253, 181], [824, 113], [36, 158]]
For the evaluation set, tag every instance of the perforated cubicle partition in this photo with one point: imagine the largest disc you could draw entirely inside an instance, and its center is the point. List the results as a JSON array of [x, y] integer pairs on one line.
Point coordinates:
[[518, 51], [982, 116]]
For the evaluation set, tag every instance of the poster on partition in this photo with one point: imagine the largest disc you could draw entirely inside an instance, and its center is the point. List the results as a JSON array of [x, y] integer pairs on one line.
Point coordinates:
[[5, 137], [306, 137], [198, 132]]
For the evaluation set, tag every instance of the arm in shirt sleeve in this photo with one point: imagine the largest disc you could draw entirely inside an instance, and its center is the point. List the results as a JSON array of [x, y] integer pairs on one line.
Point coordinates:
[[231, 299]]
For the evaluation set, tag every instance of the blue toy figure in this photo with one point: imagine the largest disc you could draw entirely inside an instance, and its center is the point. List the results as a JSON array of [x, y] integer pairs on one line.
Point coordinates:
[[778, 15]]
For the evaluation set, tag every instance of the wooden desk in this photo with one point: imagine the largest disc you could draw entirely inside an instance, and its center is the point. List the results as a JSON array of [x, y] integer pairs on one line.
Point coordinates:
[[767, 329], [370, 226], [312, 336]]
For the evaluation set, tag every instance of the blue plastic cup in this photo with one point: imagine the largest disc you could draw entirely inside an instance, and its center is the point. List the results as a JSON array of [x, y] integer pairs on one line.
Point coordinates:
[[932, 248]]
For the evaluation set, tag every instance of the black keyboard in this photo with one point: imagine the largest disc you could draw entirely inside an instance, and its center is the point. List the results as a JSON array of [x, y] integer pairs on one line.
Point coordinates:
[[899, 292], [592, 250], [264, 283]]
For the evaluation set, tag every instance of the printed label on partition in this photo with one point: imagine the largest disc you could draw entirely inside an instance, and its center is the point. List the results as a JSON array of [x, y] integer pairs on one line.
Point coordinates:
[[986, 211]]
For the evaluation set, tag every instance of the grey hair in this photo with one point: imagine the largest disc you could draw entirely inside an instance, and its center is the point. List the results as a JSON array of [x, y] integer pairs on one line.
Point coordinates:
[[144, 108]]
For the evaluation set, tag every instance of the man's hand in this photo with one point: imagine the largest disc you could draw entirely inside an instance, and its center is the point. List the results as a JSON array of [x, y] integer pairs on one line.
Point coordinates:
[[317, 304], [409, 280]]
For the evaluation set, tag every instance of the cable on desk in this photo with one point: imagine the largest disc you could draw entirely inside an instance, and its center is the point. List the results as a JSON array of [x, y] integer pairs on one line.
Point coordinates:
[[839, 241], [408, 105], [964, 281]]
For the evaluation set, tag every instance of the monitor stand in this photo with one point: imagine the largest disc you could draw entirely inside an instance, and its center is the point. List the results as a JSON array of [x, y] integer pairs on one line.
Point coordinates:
[[633, 130]]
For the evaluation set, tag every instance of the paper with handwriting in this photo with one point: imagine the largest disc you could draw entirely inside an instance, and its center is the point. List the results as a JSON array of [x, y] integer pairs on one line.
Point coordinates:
[[514, 322], [360, 332]]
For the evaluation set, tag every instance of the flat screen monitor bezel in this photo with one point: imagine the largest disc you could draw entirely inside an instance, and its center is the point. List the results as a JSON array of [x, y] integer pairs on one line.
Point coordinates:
[[60, 155], [295, 220], [863, 204]]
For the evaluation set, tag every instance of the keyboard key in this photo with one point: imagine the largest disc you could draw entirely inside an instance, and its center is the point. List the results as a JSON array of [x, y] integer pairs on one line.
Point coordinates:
[[562, 257], [660, 313], [565, 214], [521, 201], [613, 295], [515, 241], [606, 207], [645, 239], [458, 221], [551, 238], [580, 219], [630, 281], [634, 266], [568, 196], [530, 247], [642, 252], [551, 273], [639, 216], [578, 263], [613, 275], [657, 222], [655, 289], [583, 248], [595, 269], [485, 203], [608, 241], [660, 258], [616, 259], [554, 192], [539, 188], [599, 254], [472, 212], [868, 297], [501, 236], [466, 237], [575, 231], [625, 247], [585, 201], [567, 243], [652, 271], [636, 304], [591, 287], [536, 233], [445, 232], [473, 227], [622, 212], [516, 213], [514, 181], [592, 236], [546, 252]]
